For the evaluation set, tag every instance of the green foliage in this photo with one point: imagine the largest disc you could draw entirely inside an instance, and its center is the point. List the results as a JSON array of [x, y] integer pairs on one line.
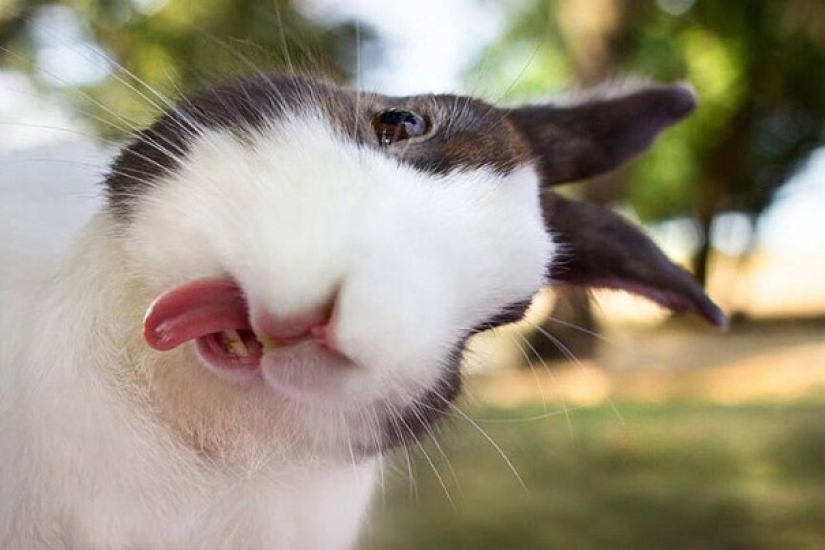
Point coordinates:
[[179, 46], [757, 69], [756, 66], [527, 61]]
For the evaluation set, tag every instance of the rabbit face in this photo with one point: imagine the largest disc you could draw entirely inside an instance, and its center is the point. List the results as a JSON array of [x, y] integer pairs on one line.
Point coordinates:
[[326, 255], [335, 249]]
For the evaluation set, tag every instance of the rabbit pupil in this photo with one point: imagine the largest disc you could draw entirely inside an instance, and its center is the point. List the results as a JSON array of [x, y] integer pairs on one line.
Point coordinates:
[[395, 125]]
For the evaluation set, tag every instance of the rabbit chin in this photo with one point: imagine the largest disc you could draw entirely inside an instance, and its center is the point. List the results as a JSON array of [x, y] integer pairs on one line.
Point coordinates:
[[328, 403]]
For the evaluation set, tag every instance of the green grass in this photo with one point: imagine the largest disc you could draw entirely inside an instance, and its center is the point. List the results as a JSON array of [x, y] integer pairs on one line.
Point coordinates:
[[670, 477]]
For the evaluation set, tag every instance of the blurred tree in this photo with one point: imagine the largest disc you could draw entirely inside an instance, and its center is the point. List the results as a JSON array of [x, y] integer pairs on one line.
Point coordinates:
[[756, 67], [170, 46], [589, 35]]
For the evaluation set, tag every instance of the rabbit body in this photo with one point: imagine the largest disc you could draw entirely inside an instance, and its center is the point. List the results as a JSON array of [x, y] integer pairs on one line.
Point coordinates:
[[86, 455], [277, 293]]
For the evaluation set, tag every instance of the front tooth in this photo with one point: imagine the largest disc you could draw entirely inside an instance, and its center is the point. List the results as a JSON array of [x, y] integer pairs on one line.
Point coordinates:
[[267, 343], [234, 344]]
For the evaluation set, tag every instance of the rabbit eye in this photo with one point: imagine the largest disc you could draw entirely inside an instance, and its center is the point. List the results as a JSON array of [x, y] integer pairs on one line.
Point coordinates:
[[395, 125]]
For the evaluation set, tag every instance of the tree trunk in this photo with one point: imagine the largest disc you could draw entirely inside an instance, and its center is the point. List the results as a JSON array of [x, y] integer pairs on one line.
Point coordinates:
[[591, 31], [715, 189], [702, 258], [568, 332]]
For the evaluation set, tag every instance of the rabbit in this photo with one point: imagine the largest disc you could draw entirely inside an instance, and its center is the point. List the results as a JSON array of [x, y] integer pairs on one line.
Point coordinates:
[[277, 292]]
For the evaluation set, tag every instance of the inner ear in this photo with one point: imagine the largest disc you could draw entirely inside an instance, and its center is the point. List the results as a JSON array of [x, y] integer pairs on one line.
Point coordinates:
[[601, 132]]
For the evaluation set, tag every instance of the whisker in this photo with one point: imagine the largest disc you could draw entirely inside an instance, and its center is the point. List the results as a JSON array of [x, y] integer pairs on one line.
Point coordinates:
[[234, 52], [358, 82], [575, 360], [100, 55], [434, 439], [61, 130], [413, 486], [435, 471], [131, 128], [489, 439], [521, 73], [574, 327], [187, 124], [310, 56], [555, 380], [532, 368], [534, 418], [412, 437], [348, 436], [284, 47], [374, 425]]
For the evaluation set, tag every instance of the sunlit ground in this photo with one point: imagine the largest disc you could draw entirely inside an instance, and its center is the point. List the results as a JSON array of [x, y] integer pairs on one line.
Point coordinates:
[[725, 448], [688, 475]]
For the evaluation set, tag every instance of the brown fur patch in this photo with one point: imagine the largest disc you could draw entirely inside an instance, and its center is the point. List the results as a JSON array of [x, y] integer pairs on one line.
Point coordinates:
[[464, 133]]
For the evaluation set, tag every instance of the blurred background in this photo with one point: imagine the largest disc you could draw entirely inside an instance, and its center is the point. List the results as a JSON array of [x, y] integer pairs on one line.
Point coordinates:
[[600, 421]]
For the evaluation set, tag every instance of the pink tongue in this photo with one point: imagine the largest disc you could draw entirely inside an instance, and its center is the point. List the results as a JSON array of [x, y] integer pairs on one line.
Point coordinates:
[[194, 310]]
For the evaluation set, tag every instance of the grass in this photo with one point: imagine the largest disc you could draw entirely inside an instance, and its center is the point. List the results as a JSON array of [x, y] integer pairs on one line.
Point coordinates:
[[690, 476]]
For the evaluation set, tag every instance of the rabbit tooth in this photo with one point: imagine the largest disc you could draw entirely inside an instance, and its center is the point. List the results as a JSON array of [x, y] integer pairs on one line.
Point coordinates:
[[267, 343], [233, 344]]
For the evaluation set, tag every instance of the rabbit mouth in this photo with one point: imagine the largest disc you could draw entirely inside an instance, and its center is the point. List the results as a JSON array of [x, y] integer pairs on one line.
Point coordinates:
[[233, 350], [215, 315], [301, 361]]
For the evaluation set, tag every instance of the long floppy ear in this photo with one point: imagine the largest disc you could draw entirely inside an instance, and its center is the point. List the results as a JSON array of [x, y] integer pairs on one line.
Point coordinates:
[[599, 249], [581, 140]]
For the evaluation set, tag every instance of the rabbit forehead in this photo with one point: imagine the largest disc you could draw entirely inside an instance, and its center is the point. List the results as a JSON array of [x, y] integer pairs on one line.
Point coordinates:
[[463, 133]]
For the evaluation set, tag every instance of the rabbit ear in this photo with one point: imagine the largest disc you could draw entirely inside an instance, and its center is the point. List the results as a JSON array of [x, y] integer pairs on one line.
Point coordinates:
[[600, 133], [600, 249]]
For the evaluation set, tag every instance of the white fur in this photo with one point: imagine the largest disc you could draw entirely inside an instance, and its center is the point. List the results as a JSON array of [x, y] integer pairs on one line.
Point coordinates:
[[110, 444]]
